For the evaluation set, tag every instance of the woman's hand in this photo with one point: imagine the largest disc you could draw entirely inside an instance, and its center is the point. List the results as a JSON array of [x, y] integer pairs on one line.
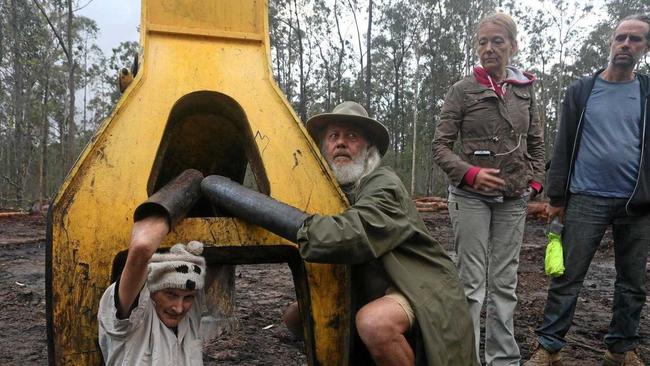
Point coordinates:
[[488, 180]]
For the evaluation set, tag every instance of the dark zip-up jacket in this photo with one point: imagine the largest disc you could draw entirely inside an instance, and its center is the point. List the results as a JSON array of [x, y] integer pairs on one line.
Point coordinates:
[[568, 138]]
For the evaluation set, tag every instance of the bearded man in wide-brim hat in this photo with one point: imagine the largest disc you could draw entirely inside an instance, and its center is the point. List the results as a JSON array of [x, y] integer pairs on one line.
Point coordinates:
[[405, 287]]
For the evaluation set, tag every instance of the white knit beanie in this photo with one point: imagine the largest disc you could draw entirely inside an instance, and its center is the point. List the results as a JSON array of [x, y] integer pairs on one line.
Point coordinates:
[[183, 268]]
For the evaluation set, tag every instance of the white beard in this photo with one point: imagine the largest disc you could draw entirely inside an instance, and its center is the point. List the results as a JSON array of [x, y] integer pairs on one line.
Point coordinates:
[[359, 167]]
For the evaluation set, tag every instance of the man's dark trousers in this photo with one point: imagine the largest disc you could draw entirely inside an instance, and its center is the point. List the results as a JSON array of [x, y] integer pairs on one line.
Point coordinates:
[[586, 221]]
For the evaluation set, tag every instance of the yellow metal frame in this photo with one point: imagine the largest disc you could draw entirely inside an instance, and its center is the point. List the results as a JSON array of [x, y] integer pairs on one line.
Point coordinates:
[[218, 46]]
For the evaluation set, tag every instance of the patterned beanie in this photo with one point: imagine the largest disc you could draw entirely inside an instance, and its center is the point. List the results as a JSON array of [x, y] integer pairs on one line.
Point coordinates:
[[183, 268]]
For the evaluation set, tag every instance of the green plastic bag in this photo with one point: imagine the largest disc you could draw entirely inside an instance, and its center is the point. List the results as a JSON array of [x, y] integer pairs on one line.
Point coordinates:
[[554, 259]]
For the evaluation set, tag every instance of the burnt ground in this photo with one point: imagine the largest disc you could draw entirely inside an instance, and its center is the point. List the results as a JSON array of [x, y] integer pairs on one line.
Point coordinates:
[[264, 290]]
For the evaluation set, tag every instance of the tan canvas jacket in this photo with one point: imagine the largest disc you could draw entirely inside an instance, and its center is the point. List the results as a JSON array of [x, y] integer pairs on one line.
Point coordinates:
[[507, 128]]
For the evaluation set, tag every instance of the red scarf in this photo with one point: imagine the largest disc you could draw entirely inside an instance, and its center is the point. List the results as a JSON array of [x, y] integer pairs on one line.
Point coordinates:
[[516, 77]]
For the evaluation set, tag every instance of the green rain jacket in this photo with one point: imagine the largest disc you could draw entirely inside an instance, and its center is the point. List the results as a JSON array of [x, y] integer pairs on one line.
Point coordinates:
[[383, 224]]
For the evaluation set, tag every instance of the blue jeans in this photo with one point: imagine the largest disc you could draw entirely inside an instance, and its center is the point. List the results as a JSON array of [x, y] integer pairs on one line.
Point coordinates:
[[586, 220]]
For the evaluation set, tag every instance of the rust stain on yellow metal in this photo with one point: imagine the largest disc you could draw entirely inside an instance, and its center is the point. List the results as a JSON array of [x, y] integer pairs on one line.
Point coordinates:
[[218, 47]]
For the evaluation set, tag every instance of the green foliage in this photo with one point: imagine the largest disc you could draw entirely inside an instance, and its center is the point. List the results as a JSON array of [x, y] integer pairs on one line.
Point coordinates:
[[418, 49]]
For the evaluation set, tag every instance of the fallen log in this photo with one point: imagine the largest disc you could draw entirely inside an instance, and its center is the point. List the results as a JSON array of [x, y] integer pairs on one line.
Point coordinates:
[[431, 204], [536, 209], [13, 213], [21, 241], [430, 199]]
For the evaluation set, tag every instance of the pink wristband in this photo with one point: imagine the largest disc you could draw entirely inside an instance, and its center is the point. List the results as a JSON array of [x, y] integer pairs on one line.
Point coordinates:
[[470, 176], [537, 186]]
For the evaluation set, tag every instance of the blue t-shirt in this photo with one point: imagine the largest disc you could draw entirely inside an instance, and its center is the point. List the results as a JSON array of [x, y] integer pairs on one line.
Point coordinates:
[[607, 164]]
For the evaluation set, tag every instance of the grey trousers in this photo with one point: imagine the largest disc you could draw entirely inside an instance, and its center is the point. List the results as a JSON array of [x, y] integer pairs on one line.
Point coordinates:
[[487, 237]]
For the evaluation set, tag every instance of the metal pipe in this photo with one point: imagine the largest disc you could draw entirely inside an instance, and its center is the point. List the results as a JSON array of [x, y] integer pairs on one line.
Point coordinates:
[[174, 200], [254, 207]]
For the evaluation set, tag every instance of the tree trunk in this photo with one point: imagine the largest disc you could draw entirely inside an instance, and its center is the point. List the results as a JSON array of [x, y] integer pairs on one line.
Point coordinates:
[[302, 102], [416, 97], [368, 85], [339, 65], [356, 24], [328, 79], [85, 75], [18, 110], [278, 66], [220, 302], [287, 78], [71, 127], [45, 127], [396, 103]]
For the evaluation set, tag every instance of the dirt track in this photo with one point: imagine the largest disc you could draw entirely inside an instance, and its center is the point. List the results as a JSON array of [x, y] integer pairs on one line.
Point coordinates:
[[264, 290]]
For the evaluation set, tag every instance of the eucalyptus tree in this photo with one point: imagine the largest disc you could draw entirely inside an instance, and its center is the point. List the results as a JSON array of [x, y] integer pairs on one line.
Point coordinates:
[[397, 33], [37, 102], [24, 56], [368, 78], [553, 38], [447, 52], [538, 55], [281, 24], [398, 58], [89, 52]]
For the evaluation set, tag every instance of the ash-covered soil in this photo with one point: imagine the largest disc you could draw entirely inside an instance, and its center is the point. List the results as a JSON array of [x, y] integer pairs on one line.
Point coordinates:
[[263, 291]]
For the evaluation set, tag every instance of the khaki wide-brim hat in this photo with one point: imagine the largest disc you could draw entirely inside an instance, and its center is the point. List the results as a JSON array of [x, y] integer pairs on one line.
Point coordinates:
[[352, 113]]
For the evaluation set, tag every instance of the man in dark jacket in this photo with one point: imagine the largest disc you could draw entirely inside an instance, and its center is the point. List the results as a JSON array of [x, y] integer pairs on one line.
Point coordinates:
[[403, 281], [599, 176]]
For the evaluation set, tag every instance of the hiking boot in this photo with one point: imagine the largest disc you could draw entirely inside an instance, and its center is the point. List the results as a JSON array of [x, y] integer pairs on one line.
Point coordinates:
[[542, 357], [629, 358]]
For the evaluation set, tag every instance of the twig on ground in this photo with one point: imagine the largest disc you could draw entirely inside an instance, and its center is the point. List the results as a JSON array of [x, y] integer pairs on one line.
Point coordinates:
[[578, 343]]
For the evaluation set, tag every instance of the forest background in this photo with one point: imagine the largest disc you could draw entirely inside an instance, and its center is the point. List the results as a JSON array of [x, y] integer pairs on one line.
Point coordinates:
[[400, 57]]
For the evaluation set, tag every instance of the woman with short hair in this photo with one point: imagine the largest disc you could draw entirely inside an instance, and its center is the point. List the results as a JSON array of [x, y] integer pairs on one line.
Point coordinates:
[[499, 165]]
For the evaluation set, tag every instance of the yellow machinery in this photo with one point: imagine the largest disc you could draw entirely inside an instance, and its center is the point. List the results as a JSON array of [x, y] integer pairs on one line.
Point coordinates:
[[204, 98]]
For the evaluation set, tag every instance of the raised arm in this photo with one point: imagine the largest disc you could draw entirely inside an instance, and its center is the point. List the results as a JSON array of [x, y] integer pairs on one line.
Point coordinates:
[[153, 219], [146, 236]]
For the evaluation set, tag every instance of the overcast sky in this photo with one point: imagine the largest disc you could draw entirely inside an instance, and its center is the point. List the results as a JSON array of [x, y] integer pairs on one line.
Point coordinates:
[[118, 21]]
